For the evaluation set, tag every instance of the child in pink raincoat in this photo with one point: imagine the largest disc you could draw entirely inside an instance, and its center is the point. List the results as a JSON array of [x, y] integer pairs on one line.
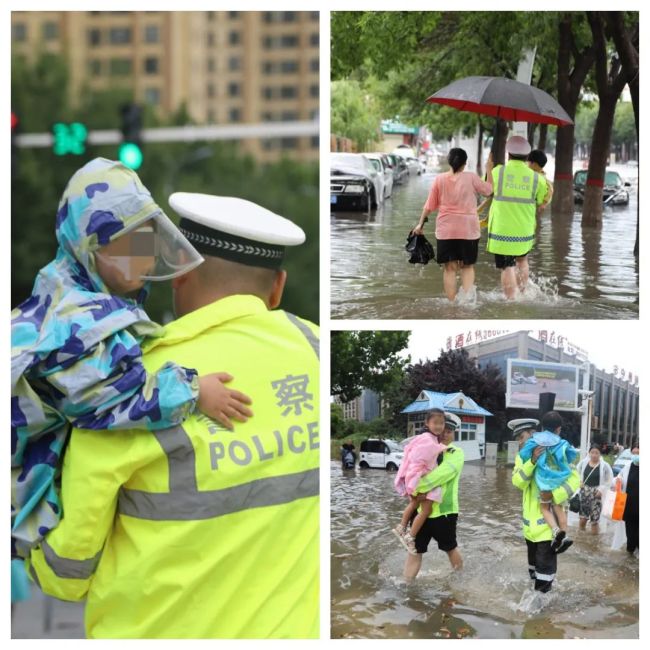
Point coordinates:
[[420, 457]]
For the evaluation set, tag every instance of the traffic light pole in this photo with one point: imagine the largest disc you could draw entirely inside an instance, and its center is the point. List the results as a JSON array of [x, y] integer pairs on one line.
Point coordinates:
[[185, 134]]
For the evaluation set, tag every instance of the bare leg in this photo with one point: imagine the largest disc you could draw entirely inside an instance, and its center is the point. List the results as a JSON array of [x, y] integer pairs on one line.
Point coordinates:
[[408, 511], [509, 282], [467, 278], [523, 272], [560, 515], [422, 516], [412, 566], [583, 523], [449, 279], [545, 503], [594, 528], [455, 558]]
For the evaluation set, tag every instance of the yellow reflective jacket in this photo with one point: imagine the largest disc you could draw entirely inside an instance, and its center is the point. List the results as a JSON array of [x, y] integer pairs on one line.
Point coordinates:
[[535, 527], [518, 190], [446, 476], [197, 531]]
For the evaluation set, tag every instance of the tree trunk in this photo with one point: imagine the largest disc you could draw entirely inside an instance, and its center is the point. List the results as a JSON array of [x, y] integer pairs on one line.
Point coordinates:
[[479, 149], [499, 142], [569, 83], [543, 133], [532, 127], [592, 209]]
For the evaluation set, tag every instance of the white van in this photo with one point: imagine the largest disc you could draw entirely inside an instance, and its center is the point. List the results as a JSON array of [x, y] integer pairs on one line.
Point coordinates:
[[381, 454]]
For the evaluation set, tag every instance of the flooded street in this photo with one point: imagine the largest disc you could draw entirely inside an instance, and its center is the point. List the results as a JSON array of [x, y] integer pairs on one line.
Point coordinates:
[[587, 273], [594, 596]]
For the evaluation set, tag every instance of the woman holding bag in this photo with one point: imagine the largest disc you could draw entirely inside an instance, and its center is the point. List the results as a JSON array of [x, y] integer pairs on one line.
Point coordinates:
[[595, 478]]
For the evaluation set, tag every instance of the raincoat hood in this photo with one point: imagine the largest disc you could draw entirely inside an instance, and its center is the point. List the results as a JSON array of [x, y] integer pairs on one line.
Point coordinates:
[[70, 303]]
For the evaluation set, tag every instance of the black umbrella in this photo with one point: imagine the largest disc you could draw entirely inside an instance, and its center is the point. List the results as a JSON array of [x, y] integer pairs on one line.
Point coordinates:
[[500, 97]]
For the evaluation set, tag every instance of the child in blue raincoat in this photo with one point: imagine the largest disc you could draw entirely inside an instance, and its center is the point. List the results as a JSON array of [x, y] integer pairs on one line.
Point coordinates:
[[552, 471], [76, 341]]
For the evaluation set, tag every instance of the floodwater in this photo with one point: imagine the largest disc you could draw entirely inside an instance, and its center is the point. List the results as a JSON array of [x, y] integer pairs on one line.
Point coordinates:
[[595, 594], [576, 272]]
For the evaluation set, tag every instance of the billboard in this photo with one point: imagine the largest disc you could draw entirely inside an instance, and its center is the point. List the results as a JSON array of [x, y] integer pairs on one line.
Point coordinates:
[[525, 380]]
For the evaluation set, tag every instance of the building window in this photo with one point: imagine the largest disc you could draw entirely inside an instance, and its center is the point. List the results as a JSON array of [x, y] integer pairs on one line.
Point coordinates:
[[233, 14], [289, 116], [287, 67], [467, 431], [314, 39], [210, 39], [211, 117], [314, 65], [151, 65], [19, 32], [289, 143], [288, 92], [120, 67], [234, 89], [267, 92], [234, 38], [313, 90], [234, 115], [269, 144], [95, 67], [280, 17], [209, 91], [211, 66], [94, 37], [234, 63], [50, 31], [313, 15], [314, 141], [210, 16], [278, 42], [119, 35], [152, 96], [151, 34]]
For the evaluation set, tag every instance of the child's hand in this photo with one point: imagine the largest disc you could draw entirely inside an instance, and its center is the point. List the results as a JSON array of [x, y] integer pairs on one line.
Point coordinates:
[[221, 403]]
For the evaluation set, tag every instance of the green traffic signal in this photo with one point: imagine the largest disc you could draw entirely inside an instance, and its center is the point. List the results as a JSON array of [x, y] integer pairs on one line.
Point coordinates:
[[130, 155], [69, 138]]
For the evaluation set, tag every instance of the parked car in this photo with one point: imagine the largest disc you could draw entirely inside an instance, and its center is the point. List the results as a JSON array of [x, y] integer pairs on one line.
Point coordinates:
[[381, 454], [415, 169], [614, 192], [354, 183], [383, 165], [400, 168], [624, 457]]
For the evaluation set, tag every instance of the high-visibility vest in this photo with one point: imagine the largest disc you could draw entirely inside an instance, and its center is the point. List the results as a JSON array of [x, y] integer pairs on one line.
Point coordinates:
[[446, 476], [197, 531], [534, 525], [518, 190]]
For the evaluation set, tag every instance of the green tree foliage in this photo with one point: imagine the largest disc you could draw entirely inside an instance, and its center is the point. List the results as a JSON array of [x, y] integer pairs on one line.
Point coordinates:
[[340, 427], [624, 126], [287, 188], [355, 114], [584, 122], [366, 359]]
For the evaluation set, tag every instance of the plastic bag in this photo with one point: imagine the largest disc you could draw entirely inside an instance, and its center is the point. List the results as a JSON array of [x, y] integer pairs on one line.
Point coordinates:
[[614, 503], [420, 249]]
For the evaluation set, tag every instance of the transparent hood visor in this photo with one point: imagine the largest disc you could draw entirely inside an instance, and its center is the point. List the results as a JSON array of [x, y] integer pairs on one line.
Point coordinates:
[[154, 250]]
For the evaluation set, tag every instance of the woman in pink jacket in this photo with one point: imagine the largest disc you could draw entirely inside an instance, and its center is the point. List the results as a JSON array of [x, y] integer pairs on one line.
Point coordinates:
[[454, 195], [420, 457]]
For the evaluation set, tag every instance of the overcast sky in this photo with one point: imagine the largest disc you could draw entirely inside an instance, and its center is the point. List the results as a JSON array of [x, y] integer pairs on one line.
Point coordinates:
[[607, 343]]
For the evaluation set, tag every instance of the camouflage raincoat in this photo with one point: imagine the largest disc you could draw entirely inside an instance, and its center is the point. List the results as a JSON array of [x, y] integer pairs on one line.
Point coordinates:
[[75, 349]]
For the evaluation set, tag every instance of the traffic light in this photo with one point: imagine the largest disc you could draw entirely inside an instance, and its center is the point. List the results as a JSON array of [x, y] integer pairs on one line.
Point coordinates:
[[130, 152], [15, 124], [69, 138]]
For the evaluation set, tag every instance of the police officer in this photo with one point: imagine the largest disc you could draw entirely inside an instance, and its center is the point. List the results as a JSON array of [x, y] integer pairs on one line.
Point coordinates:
[[518, 190], [542, 561], [197, 531], [441, 524]]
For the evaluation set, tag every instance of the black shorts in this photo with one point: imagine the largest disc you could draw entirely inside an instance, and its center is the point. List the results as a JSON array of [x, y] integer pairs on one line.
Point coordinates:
[[442, 529], [504, 261], [457, 250]]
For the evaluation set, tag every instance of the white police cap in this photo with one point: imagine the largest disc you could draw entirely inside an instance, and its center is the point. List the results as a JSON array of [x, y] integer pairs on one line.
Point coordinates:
[[522, 424], [518, 145], [452, 421], [235, 229]]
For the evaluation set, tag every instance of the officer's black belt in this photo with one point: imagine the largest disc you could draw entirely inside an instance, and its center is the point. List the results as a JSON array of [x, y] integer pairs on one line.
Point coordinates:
[[216, 243]]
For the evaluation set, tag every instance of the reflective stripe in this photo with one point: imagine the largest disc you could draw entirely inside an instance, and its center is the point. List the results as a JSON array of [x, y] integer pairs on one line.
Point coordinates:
[[312, 339], [64, 567], [32, 572], [184, 501], [524, 476], [526, 521], [541, 521], [190, 505], [510, 238], [531, 567], [568, 489], [535, 184], [547, 577], [499, 193], [514, 199]]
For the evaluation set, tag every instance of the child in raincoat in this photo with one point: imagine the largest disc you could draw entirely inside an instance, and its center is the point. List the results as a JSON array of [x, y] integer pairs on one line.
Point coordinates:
[[76, 341], [420, 457], [552, 469]]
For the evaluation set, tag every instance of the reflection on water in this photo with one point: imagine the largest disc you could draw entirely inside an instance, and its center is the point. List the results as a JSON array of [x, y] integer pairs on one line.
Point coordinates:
[[577, 272], [594, 596]]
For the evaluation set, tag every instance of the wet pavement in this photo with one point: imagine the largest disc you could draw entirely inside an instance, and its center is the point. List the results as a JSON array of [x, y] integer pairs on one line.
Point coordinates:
[[595, 595], [576, 272], [42, 617]]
